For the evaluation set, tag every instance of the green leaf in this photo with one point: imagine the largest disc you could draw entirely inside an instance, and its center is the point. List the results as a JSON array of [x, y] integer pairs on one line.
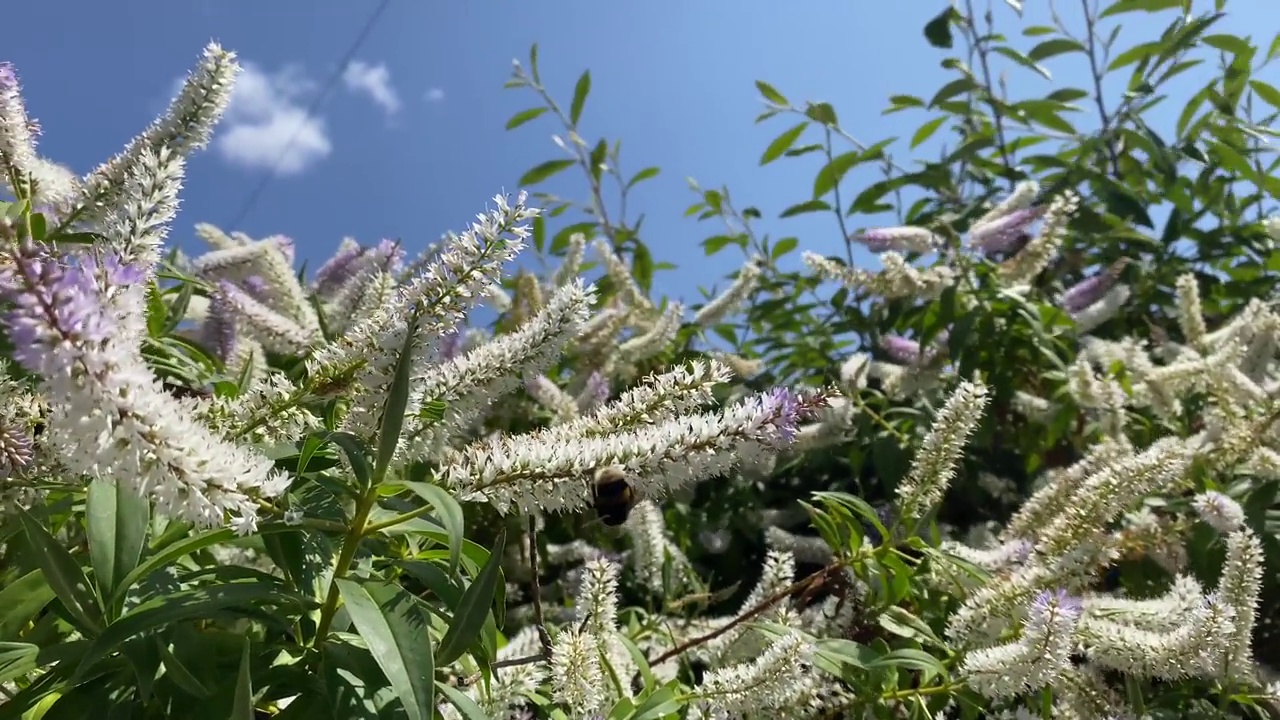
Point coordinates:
[[784, 246], [539, 231], [392, 420], [1228, 43], [448, 511], [64, 575], [462, 702], [171, 553], [188, 604], [1022, 60], [525, 116], [242, 701], [927, 130], [952, 89], [1126, 6], [661, 703], [17, 659], [903, 102], [938, 30], [645, 174], [157, 313], [911, 659], [473, 608], [116, 521], [541, 172], [1269, 94], [771, 94], [833, 172], [394, 627], [782, 143], [822, 112], [356, 452], [38, 226], [1121, 202], [580, 92], [20, 601], [1055, 46], [807, 206], [178, 673]]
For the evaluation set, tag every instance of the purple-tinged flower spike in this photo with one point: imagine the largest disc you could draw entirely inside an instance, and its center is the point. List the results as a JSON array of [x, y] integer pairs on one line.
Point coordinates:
[[108, 415], [783, 408], [16, 449], [57, 309], [596, 391], [258, 287], [1006, 233], [902, 350], [337, 269], [219, 329], [898, 239], [390, 254], [287, 247], [451, 344], [1089, 291], [1054, 602], [17, 132]]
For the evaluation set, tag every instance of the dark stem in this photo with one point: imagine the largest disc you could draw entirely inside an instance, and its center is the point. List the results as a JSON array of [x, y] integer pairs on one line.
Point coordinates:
[[539, 622]]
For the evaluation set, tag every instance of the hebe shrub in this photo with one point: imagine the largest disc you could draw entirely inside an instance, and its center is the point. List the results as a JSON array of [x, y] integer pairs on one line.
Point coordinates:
[[1022, 468]]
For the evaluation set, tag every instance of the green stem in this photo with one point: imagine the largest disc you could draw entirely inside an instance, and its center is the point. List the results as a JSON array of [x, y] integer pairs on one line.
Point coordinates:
[[355, 533], [402, 517], [912, 692]]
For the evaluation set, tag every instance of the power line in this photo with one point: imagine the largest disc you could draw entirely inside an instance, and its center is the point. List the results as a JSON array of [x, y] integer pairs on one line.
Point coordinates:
[[256, 194]]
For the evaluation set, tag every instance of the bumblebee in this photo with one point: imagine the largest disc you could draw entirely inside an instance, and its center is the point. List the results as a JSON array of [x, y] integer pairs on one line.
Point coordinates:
[[612, 496], [185, 391]]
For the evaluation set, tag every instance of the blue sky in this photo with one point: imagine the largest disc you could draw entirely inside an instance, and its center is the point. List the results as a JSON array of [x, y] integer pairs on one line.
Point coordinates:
[[419, 146]]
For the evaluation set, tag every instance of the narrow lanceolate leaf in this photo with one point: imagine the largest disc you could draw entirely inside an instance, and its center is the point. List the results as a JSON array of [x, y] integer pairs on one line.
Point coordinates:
[[116, 519], [20, 601], [392, 421], [242, 703], [542, 171], [524, 116], [394, 627], [448, 511], [64, 575], [195, 603], [580, 92], [473, 609], [463, 702]]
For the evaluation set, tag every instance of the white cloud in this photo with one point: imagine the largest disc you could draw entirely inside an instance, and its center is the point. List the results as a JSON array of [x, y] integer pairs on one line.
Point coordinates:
[[267, 128], [435, 95], [374, 81]]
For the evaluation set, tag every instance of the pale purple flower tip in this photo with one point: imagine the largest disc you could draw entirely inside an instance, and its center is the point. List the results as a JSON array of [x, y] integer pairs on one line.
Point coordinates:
[[391, 254], [219, 331], [56, 302], [598, 387], [287, 246], [1004, 234], [256, 286], [1019, 551], [877, 240], [336, 269], [8, 77], [1089, 291], [1060, 600], [784, 410], [15, 449], [903, 350], [451, 345]]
